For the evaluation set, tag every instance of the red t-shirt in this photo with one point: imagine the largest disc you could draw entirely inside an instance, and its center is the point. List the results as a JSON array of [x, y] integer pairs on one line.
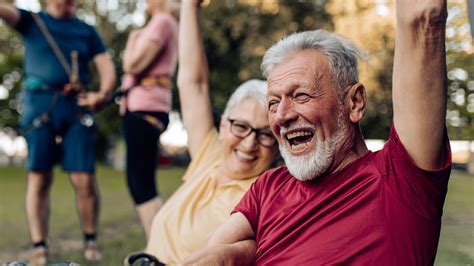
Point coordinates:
[[380, 210]]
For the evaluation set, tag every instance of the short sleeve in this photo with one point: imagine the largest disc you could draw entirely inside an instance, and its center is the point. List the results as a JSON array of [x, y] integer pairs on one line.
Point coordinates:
[[207, 154], [96, 44], [421, 191], [249, 205], [160, 29], [26, 19]]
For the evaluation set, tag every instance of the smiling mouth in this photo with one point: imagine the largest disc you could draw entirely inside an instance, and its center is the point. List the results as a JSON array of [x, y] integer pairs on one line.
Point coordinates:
[[245, 156], [299, 139]]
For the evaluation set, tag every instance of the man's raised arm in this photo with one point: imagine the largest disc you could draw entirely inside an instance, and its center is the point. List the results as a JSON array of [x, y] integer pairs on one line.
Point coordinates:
[[419, 80]]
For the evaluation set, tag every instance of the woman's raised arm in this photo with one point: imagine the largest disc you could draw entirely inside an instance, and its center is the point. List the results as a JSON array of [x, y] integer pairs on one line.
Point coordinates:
[[193, 77]]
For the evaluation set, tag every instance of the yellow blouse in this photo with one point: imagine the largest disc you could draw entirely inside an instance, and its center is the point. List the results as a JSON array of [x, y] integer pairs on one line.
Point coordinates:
[[197, 208]]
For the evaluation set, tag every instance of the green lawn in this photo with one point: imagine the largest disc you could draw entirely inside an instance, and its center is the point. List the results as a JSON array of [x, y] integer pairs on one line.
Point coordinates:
[[120, 232], [456, 246]]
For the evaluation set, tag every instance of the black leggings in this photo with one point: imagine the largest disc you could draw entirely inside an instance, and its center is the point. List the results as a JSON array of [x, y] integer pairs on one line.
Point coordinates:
[[141, 140]]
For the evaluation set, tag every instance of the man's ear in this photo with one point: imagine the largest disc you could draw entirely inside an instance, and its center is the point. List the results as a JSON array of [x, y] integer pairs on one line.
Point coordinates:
[[357, 99]]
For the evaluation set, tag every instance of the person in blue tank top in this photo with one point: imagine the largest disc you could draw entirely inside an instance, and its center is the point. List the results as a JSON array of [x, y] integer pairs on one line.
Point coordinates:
[[57, 119]]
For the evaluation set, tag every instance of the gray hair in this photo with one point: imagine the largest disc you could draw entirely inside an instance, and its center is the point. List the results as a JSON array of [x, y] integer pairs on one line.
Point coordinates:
[[254, 88], [342, 54]]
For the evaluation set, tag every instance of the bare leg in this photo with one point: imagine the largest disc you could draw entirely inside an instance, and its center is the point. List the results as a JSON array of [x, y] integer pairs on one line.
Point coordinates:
[[87, 200], [146, 212], [37, 204], [37, 213]]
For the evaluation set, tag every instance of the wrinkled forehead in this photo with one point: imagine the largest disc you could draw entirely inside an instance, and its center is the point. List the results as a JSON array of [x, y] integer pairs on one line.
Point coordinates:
[[300, 68]]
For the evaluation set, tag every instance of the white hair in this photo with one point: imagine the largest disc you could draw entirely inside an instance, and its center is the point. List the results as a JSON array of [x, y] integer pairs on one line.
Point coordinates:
[[342, 54], [254, 89]]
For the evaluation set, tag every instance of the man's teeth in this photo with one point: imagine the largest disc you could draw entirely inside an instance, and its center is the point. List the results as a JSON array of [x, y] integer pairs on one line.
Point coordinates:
[[299, 140], [299, 146], [298, 134], [244, 155]]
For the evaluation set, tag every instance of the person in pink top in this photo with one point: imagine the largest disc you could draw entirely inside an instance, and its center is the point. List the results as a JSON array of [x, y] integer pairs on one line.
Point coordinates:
[[149, 61], [335, 202]]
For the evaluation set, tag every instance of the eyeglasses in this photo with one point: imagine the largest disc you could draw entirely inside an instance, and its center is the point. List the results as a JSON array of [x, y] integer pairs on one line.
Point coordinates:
[[242, 130]]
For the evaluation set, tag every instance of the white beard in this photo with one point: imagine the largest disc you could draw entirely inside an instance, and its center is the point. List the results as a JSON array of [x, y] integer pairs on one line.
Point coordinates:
[[315, 163]]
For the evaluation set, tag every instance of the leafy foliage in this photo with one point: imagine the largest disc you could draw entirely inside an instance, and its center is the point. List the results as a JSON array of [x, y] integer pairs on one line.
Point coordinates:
[[236, 35], [10, 72], [460, 65], [235, 38]]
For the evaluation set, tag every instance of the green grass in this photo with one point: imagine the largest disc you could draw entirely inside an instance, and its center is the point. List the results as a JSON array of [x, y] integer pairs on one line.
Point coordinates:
[[456, 246], [121, 234]]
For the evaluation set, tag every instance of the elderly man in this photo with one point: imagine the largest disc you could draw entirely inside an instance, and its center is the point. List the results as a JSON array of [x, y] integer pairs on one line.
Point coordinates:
[[336, 202], [58, 49]]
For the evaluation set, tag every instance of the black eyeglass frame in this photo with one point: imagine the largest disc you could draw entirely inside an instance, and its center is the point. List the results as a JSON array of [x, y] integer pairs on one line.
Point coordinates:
[[258, 132]]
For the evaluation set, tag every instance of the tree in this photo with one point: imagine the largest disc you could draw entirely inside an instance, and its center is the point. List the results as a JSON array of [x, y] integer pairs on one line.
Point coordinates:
[[236, 35], [11, 73], [371, 25], [460, 65]]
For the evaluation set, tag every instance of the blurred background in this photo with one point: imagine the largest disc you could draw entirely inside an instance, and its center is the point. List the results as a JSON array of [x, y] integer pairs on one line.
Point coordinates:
[[236, 34]]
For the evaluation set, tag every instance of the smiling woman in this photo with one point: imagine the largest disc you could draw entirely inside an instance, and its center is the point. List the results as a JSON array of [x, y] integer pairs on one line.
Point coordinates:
[[248, 156], [223, 164]]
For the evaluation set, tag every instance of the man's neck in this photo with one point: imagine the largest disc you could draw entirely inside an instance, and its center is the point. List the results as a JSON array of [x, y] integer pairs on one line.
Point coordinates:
[[351, 149]]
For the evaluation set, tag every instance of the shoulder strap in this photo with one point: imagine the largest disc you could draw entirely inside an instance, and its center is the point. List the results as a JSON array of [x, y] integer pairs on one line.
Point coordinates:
[[52, 43]]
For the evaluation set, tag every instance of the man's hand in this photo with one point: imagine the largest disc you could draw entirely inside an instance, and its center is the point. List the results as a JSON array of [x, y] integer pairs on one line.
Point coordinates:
[[72, 88], [93, 101], [239, 253], [422, 12], [209, 256]]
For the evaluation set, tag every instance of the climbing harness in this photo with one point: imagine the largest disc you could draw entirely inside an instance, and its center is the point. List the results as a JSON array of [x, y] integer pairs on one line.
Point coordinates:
[[163, 81], [71, 70], [75, 84]]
